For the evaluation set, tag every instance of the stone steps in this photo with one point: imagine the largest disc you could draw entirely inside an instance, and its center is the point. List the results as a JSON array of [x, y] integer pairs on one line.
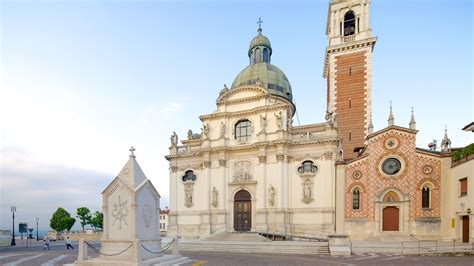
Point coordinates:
[[173, 260], [248, 237], [280, 247]]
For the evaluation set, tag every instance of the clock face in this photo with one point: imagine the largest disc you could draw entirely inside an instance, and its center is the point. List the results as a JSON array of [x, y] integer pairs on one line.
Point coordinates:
[[391, 166]]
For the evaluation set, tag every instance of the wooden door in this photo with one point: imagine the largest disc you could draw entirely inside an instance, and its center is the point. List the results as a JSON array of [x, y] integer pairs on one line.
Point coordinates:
[[465, 229], [390, 219], [242, 211]]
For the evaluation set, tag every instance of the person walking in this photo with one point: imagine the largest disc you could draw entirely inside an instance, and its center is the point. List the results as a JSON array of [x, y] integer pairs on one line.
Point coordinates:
[[46, 243], [68, 243]]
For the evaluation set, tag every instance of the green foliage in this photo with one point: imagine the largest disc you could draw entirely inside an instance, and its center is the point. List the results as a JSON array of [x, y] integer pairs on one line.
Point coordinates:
[[98, 220], [84, 214], [61, 220], [466, 151]]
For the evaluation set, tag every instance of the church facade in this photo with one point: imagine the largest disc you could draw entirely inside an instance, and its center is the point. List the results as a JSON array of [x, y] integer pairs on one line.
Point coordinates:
[[251, 170]]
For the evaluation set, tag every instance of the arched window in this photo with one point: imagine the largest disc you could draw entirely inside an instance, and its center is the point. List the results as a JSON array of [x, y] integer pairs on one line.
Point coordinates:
[[356, 199], [265, 55], [252, 58], [425, 197], [189, 176], [258, 55], [349, 23], [243, 130], [307, 167]]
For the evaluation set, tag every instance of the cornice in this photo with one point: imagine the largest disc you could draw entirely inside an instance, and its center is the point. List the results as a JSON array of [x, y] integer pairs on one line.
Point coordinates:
[[346, 47], [255, 110]]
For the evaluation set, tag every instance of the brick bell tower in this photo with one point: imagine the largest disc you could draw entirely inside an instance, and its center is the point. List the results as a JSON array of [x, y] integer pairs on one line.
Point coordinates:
[[348, 71]]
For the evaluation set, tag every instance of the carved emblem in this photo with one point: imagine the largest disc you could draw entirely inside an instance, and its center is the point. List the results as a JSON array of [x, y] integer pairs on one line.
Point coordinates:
[[427, 169], [391, 143], [357, 174], [119, 212], [242, 171], [146, 215]]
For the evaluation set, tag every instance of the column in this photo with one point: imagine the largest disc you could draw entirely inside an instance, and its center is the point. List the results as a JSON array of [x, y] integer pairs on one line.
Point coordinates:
[[280, 158], [223, 192]]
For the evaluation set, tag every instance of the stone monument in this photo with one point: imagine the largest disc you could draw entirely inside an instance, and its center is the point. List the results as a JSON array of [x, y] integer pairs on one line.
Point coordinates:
[[131, 235]]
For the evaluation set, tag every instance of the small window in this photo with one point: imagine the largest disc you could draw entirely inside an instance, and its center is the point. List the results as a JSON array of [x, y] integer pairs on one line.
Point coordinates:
[[350, 103], [243, 130], [356, 199], [189, 176], [349, 23], [463, 186], [425, 197], [265, 55], [307, 167], [258, 55], [350, 135]]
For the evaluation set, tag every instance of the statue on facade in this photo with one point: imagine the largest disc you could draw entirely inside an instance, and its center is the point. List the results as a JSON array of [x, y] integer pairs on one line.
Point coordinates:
[[331, 119], [174, 139], [307, 193], [222, 129], [215, 195], [263, 123], [205, 130], [289, 124], [271, 195], [188, 194], [278, 119], [190, 134]]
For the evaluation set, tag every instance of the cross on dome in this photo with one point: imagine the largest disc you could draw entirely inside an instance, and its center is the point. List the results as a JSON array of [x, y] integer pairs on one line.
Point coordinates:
[[259, 22], [132, 149]]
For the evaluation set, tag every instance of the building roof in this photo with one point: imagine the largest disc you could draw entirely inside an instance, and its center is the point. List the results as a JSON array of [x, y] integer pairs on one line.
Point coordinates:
[[469, 127]]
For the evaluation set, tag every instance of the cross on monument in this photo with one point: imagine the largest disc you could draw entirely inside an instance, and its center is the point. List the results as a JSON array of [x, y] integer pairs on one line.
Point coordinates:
[[259, 22], [132, 149]]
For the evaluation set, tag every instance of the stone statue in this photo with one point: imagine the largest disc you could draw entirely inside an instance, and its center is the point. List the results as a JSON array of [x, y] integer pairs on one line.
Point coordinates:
[[174, 139], [224, 90], [215, 195], [289, 124], [222, 132], [307, 191], [331, 119], [190, 134], [205, 131], [188, 194], [278, 119], [271, 195], [263, 123]]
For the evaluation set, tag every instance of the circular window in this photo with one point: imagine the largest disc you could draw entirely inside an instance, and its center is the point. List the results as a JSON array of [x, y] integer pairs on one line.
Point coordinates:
[[427, 169], [391, 143], [391, 166], [188, 176]]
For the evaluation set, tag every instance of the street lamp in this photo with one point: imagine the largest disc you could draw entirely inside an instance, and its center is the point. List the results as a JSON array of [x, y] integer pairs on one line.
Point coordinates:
[[13, 210], [37, 219]]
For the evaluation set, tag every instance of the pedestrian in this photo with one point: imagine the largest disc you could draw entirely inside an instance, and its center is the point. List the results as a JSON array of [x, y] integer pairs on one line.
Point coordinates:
[[46, 243], [68, 243]]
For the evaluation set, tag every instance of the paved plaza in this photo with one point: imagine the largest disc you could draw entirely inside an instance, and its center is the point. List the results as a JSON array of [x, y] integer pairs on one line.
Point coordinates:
[[59, 255]]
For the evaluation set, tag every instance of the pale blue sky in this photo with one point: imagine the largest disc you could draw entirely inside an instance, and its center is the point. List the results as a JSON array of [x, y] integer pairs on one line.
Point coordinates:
[[83, 80]]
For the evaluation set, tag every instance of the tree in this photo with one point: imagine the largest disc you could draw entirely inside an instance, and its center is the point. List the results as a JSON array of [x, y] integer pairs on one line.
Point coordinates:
[[97, 220], [84, 214], [61, 220]]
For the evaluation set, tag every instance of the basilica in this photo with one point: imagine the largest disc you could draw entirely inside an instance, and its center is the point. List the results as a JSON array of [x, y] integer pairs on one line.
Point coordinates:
[[250, 169]]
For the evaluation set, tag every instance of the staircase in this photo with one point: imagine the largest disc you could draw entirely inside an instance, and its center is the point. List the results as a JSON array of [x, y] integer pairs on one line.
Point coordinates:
[[244, 246]]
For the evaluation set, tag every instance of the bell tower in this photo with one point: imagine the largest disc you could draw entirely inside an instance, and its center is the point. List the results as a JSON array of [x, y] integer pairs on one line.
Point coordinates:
[[348, 71]]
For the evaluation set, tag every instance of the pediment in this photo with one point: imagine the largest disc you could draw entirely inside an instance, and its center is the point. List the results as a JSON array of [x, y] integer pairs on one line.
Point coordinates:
[[242, 93]]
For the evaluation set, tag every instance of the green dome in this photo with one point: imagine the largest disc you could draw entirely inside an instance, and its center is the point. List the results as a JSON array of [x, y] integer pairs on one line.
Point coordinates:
[[260, 40], [270, 77]]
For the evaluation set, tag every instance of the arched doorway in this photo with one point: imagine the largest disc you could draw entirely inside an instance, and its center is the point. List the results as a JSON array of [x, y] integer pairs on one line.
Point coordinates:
[[391, 214], [242, 211]]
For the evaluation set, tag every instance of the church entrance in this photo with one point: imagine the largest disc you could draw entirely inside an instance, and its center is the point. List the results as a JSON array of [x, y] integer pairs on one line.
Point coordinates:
[[390, 219], [465, 229], [242, 211]]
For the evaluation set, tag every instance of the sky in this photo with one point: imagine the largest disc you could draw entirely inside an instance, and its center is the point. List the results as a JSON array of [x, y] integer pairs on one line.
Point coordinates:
[[82, 81]]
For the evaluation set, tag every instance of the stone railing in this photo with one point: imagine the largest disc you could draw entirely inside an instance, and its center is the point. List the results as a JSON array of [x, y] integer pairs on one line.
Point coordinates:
[[309, 135], [348, 38]]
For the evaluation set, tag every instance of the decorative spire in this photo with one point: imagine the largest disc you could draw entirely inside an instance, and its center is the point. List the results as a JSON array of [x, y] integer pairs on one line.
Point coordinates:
[[446, 142], [259, 22], [132, 155], [412, 124], [370, 129], [391, 119]]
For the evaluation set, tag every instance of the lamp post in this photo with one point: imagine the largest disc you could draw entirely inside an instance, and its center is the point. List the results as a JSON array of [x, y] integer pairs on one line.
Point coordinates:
[[13, 210], [37, 219]]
